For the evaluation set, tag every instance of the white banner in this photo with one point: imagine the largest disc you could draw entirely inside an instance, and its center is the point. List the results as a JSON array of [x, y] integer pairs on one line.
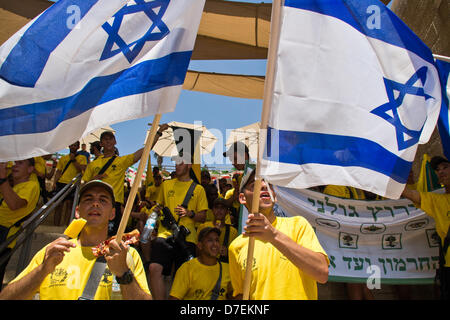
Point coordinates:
[[388, 240]]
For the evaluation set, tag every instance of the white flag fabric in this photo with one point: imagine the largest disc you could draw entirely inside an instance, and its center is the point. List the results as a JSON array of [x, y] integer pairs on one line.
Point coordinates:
[[84, 64], [355, 92]]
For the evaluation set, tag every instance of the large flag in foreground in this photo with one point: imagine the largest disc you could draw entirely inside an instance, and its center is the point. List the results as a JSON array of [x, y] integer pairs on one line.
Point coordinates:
[[83, 64], [443, 123], [355, 91]]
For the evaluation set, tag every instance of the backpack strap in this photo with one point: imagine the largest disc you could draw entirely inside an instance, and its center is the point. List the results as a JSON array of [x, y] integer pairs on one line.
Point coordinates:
[[67, 166], [227, 235], [106, 166], [189, 194], [188, 197], [94, 279], [352, 196], [225, 242], [216, 291]]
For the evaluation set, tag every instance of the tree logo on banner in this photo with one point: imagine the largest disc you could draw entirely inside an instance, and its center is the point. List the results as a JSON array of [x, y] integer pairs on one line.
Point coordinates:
[[348, 240], [392, 241]]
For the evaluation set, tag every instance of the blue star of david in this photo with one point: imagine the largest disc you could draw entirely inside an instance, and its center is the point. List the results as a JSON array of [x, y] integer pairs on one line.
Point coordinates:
[[131, 50], [394, 104]]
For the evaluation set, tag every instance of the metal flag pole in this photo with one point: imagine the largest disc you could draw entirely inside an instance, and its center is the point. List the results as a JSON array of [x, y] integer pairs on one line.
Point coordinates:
[[267, 100], [137, 180]]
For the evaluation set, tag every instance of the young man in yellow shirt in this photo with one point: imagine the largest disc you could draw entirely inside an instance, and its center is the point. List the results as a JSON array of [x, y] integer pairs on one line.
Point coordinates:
[[198, 279], [114, 174], [228, 233], [288, 259], [18, 199], [164, 251], [60, 271], [67, 168], [437, 206], [152, 191]]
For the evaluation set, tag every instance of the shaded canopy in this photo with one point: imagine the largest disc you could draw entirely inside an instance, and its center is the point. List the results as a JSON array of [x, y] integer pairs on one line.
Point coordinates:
[[242, 86], [228, 30]]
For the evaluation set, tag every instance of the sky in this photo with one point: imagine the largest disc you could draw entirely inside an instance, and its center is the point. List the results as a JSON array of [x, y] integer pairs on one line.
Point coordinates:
[[214, 111]]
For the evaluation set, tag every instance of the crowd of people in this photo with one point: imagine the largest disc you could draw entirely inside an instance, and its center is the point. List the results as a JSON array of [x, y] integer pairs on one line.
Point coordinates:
[[195, 251]]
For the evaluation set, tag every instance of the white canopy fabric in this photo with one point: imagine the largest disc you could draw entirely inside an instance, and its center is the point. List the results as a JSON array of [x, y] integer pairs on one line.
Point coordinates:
[[166, 146], [249, 135], [95, 135]]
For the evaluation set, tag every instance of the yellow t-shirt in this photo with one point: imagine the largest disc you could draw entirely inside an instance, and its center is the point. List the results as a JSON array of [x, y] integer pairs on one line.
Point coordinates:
[[195, 281], [210, 217], [274, 277], [71, 170], [69, 278], [437, 206], [39, 165], [152, 192], [115, 172], [28, 191], [171, 195], [344, 192], [230, 193]]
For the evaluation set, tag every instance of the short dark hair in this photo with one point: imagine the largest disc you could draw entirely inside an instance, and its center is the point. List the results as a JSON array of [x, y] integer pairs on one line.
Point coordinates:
[[220, 202], [248, 177], [436, 161], [106, 133], [205, 173], [96, 145]]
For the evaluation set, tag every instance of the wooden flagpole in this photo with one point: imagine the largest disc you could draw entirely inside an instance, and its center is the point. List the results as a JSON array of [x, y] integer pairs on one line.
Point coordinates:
[[267, 100], [137, 180]]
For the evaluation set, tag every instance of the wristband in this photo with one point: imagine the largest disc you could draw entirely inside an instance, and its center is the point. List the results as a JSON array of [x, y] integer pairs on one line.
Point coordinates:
[[126, 278]]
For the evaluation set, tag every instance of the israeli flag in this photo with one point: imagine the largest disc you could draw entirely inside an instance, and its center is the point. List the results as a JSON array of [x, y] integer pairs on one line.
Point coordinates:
[[84, 64], [444, 116], [355, 92]]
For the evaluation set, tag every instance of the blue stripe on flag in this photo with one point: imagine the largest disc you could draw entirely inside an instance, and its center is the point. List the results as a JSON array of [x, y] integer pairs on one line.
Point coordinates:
[[147, 76], [307, 147], [443, 122], [357, 13], [27, 59]]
